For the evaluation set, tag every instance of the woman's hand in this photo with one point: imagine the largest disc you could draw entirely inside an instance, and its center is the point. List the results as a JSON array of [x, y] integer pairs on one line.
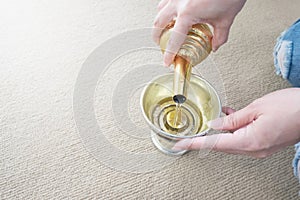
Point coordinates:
[[218, 13], [259, 130]]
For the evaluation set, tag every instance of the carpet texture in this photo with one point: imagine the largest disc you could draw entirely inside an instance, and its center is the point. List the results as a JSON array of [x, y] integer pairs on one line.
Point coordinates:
[[43, 45]]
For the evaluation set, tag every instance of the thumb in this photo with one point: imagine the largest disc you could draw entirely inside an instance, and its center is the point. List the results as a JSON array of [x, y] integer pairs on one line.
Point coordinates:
[[220, 36], [177, 38], [234, 120]]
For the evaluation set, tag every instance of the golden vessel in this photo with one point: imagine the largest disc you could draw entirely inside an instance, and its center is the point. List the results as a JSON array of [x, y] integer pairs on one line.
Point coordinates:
[[158, 108]]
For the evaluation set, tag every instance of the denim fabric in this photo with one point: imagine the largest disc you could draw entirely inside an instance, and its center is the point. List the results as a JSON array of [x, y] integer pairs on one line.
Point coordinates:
[[296, 160], [287, 54], [287, 64]]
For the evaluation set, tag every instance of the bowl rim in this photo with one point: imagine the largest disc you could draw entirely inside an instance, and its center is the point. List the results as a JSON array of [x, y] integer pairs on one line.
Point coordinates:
[[164, 133]]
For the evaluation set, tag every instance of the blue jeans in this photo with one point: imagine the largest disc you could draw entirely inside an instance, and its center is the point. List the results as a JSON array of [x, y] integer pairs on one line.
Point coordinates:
[[287, 64]]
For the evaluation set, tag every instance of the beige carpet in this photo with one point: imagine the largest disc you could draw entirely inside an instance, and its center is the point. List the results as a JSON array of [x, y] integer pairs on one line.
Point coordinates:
[[43, 45]]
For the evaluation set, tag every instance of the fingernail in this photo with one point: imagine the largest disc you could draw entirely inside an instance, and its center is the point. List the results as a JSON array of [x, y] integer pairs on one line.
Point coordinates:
[[159, 6], [182, 145], [214, 49], [216, 123], [166, 65], [156, 40]]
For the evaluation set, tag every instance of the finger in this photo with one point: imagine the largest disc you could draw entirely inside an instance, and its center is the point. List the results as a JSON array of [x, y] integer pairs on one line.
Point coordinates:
[[162, 19], [228, 143], [177, 38], [241, 142], [234, 120], [220, 36], [228, 110], [162, 4]]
